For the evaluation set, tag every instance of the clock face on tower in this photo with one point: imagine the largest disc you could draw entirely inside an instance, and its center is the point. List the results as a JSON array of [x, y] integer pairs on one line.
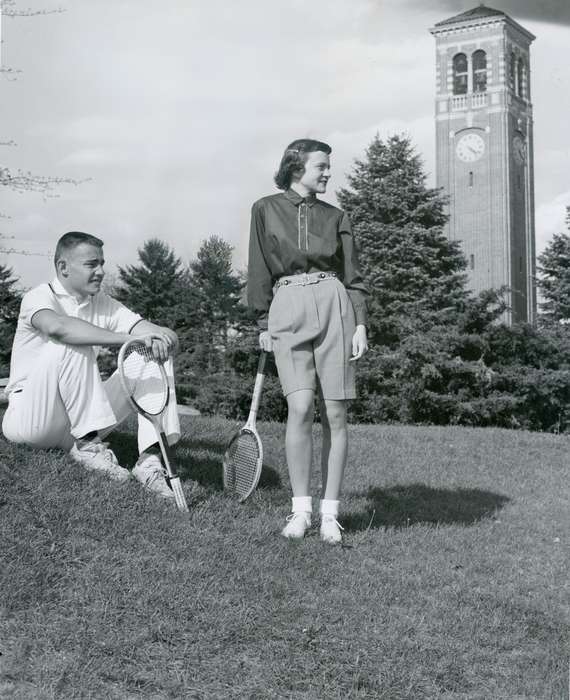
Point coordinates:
[[470, 148]]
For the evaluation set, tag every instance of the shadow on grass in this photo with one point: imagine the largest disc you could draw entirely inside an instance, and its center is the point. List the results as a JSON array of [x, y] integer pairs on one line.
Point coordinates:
[[403, 506], [195, 460]]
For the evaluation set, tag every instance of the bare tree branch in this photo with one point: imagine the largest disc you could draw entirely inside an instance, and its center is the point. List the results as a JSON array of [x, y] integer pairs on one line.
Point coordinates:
[[13, 251], [9, 8], [21, 181], [10, 73]]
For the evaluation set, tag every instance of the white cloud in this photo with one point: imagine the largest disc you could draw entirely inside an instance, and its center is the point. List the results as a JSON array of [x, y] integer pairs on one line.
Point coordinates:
[[89, 157], [179, 111], [550, 219]]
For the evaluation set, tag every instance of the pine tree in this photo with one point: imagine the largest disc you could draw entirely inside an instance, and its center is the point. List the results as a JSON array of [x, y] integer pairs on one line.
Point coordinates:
[[152, 288], [220, 288], [427, 332], [554, 276], [409, 265], [216, 290], [214, 334], [10, 299]]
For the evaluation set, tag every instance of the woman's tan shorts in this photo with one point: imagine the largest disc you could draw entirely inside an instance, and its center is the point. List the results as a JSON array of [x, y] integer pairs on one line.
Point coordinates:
[[311, 327]]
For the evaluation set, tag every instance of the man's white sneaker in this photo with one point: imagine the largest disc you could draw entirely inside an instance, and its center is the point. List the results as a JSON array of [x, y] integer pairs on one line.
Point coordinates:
[[330, 529], [150, 472], [97, 456], [297, 525]]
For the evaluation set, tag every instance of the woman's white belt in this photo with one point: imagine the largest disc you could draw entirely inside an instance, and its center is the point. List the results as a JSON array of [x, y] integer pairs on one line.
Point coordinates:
[[303, 279]]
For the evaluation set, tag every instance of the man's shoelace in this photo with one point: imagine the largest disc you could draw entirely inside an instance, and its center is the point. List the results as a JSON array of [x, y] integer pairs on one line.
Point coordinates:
[[101, 448], [153, 470]]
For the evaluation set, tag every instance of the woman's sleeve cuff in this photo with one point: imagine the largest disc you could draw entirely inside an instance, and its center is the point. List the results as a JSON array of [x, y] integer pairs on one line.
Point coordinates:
[[262, 323], [361, 315]]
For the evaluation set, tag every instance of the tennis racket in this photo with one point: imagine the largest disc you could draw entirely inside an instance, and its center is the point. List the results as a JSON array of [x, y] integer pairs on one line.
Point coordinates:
[[243, 458], [146, 385]]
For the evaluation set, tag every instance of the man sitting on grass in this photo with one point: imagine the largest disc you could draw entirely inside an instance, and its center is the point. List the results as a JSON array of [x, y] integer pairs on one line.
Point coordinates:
[[56, 395]]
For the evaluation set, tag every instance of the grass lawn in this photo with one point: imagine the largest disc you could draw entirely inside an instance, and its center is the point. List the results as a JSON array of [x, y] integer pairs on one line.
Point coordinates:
[[453, 581]]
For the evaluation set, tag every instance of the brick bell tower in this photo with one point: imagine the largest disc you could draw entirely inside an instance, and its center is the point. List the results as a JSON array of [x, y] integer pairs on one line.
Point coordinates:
[[484, 150]]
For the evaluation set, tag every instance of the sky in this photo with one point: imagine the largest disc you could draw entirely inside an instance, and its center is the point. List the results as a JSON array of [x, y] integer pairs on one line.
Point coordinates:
[[174, 115]]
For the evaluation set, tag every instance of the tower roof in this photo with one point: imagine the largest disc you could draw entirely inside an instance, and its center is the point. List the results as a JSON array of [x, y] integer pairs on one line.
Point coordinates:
[[478, 12], [481, 13]]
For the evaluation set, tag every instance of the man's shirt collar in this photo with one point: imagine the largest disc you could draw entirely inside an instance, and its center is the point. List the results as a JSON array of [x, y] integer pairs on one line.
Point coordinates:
[[60, 291], [296, 199]]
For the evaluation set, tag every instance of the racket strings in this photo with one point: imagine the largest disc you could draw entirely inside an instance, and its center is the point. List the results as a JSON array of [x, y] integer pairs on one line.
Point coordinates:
[[145, 379], [243, 467]]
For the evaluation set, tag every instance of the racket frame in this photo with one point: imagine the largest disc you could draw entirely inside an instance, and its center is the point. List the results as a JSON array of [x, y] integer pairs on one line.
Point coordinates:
[[250, 428], [156, 419]]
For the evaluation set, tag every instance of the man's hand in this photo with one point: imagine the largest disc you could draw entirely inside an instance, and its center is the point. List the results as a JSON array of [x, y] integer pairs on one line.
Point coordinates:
[[359, 343], [173, 338], [161, 344], [162, 340], [265, 342]]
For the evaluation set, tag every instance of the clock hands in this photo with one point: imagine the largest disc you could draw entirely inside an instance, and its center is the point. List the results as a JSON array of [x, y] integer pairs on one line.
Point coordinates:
[[470, 148]]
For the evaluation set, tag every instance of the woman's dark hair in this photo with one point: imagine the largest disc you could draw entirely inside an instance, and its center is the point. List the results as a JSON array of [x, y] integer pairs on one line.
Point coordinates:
[[294, 159]]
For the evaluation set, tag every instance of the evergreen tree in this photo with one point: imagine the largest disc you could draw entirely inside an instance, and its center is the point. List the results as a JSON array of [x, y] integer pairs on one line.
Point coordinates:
[[153, 287], [427, 332], [554, 279], [220, 288], [216, 301], [10, 299], [409, 265], [215, 341]]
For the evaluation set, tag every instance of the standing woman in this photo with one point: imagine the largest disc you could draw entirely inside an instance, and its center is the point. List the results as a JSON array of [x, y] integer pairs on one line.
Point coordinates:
[[306, 287]]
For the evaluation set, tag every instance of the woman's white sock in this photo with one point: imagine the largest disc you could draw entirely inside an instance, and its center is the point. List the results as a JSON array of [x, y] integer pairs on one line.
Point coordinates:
[[329, 507], [302, 504]]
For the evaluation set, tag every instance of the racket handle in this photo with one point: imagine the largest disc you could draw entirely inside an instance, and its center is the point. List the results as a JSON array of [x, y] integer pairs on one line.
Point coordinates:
[[261, 362], [173, 479], [258, 384], [179, 496]]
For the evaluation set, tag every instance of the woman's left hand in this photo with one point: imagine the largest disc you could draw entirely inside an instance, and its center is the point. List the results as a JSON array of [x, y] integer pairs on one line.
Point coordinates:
[[359, 343]]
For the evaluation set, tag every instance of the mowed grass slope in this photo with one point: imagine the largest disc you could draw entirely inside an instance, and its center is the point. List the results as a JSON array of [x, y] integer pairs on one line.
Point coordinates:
[[453, 581]]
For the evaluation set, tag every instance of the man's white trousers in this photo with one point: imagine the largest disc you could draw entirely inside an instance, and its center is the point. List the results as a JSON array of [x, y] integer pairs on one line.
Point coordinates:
[[64, 398]]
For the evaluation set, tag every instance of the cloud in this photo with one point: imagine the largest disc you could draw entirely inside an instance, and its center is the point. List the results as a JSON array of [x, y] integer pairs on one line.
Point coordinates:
[[179, 116], [350, 145], [550, 11], [551, 219], [89, 157]]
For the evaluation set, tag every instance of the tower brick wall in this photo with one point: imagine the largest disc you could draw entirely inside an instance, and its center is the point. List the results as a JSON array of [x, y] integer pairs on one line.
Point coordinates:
[[484, 151]]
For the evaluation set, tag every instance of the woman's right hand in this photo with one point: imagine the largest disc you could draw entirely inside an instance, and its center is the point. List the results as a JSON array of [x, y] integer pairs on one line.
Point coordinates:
[[265, 341]]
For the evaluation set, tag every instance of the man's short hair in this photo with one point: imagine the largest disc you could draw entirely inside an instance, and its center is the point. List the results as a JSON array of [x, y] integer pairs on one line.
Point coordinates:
[[71, 240], [294, 159]]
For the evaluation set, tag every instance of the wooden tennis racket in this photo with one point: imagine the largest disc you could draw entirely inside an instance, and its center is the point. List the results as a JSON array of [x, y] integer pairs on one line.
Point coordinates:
[[146, 385], [243, 458]]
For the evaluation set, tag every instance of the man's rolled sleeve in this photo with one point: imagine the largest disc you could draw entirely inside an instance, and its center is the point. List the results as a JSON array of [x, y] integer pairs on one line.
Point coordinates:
[[120, 319], [259, 284], [38, 299]]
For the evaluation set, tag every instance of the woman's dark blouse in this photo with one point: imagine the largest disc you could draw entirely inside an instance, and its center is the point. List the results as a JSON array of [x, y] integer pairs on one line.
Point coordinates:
[[291, 235]]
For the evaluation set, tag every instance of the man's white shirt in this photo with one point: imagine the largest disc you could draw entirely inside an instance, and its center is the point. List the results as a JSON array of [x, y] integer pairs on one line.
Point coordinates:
[[100, 310]]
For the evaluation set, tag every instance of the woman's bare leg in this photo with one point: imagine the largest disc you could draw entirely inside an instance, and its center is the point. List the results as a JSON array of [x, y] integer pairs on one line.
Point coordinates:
[[299, 440], [335, 447]]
